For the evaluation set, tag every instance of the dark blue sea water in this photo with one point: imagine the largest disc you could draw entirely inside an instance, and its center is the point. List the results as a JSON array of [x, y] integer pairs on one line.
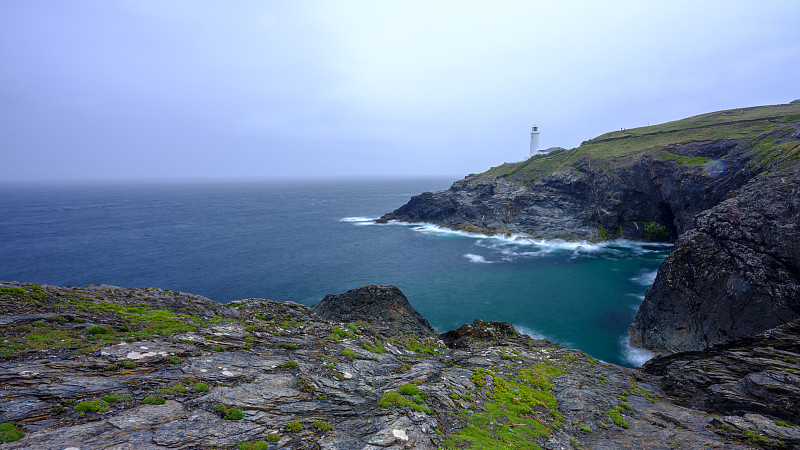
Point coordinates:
[[302, 240]]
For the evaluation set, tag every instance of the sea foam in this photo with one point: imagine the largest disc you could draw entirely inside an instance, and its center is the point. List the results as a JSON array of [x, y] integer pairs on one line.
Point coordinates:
[[635, 355], [359, 221], [477, 258], [645, 277]]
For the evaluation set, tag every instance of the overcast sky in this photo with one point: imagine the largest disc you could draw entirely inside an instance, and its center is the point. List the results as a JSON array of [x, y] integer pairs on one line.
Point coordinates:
[[195, 89]]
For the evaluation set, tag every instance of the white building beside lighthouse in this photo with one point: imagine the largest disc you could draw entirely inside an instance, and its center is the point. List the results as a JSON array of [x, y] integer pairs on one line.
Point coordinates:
[[534, 140]]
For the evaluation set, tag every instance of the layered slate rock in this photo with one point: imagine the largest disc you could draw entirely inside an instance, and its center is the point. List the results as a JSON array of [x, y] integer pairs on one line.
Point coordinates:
[[734, 274], [756, 375], [275, 372], [380, 304]]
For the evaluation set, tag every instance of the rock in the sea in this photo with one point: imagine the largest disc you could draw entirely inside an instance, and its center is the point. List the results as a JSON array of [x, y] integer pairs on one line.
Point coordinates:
[[380, 304]]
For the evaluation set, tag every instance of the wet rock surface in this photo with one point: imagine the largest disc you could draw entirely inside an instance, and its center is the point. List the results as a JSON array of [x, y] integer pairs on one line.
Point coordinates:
[[277, 373]]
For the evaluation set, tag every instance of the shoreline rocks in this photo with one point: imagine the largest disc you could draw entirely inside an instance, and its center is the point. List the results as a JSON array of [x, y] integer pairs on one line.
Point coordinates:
[[102, 367]]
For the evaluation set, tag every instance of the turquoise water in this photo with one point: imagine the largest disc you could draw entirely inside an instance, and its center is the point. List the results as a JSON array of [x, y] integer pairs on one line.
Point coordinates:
[[301, 241]]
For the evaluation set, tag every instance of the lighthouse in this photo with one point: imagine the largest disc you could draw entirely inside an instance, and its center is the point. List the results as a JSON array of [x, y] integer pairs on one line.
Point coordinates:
[[534, 140]]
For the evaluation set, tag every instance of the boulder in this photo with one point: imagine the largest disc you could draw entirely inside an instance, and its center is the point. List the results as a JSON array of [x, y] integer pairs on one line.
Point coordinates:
[[380, 304]]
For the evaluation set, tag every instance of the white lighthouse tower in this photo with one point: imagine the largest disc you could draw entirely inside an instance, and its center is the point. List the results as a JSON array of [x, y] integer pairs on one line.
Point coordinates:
[[534, 140]]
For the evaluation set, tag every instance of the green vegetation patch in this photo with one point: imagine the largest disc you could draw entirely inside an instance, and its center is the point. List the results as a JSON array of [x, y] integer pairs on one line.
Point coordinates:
[[91, 406], [290, 364], [616, 416], [9, 432], [762, 126], [374, 348], [348, 352], [392, 398], [408, 389], [229, 412], [295, 426], [175, 389], [255, 445], [414, 344], [656, 232], [321, 425], [524, 410], [153, 400], [201, 387], [116, 398]]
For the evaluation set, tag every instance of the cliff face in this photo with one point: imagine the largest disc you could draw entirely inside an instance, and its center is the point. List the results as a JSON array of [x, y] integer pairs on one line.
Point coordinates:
[[735, 273], [721, 185], [589, 199]]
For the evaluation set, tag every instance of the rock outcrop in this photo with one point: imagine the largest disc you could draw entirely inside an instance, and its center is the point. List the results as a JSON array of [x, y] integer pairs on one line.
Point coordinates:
[[723, 186], [378, 304], [105, 367], [734, 274]]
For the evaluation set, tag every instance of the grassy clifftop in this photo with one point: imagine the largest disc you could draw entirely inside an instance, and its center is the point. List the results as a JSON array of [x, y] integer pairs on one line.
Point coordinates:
[[762, 129]]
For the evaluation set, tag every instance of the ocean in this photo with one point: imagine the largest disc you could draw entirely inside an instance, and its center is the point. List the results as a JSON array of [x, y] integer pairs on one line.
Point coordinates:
[[301, 240]]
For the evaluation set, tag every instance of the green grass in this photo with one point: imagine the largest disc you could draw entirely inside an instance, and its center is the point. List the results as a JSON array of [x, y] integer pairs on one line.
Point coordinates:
[[295, 426], [175, 389], [132, 322], [91, 406], [201, 387], [753, 125], [153, 400], [9, 432], [374, 348], [290, 364], [255, 445], [348, 353], [116, 398], [408, 389], [523, 410], [616, 416], [321, 425], [228, 412]]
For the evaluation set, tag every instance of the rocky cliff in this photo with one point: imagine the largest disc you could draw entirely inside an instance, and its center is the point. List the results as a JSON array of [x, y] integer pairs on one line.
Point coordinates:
[[734, 273], [106, 367], [722, 185]]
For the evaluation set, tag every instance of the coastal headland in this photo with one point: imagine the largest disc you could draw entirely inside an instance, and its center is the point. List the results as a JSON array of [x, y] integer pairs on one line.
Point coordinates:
[[723, 186]]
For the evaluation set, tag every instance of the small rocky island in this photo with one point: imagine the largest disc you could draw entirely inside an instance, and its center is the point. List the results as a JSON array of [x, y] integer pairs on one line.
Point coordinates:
[[107, 367]]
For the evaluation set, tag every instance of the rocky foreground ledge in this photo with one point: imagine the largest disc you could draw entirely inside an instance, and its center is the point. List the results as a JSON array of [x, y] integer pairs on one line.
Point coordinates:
[[106, 367]]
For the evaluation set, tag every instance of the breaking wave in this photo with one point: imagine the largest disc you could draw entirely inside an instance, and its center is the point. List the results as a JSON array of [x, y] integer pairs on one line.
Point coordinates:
[[359, 221], [477, 258], [645, 277], [635, 355]]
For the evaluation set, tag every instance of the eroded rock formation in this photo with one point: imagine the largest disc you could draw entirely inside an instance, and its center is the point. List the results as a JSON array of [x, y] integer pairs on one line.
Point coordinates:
[[105, 367]]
